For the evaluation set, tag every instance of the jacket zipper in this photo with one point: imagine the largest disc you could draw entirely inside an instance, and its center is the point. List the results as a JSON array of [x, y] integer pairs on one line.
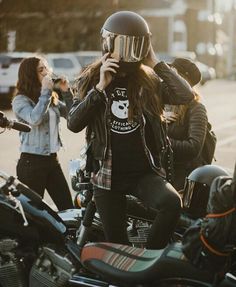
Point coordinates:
[[106, 131], [146, 149]]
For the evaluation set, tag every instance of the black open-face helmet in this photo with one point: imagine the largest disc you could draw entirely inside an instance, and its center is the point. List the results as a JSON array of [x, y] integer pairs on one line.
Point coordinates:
[[197, 188], [126, 36]]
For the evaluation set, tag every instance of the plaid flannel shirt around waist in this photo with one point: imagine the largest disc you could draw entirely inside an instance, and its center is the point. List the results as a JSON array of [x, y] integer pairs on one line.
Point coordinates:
[[102, 179]]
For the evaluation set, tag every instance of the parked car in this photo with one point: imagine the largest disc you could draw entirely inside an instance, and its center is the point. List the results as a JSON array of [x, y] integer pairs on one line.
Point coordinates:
[[87, 57], [184, 54], [61, 63], [64, 64], [9, 64], [208, 73]]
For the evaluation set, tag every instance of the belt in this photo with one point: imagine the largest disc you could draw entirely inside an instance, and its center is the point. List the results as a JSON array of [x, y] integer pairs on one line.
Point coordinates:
[[26, 154]]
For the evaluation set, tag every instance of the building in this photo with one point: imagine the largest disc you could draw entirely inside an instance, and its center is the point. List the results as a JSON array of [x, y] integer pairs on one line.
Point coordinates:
[[206, 27]]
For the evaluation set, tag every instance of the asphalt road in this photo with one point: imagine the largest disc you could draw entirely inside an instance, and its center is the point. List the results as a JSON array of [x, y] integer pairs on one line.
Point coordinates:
[[219, 96], [220, 99]]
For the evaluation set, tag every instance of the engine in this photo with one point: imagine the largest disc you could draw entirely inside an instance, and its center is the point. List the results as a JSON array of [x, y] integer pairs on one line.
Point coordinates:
[[20, 266], [12, 266], [52, 268], [138, 231]]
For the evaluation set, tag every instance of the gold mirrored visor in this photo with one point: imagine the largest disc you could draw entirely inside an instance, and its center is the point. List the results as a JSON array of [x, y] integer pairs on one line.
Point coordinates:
[[124, 47]]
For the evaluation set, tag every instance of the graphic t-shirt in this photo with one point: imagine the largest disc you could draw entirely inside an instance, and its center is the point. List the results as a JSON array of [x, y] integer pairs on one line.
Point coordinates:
[[128, 156]]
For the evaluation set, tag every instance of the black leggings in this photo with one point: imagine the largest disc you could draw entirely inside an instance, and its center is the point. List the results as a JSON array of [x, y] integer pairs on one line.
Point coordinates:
[[44, 172], [154, 192]]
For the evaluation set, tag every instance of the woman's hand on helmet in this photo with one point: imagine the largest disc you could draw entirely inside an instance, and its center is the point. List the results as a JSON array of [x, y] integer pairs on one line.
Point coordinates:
[[151, 59], [108, 69]]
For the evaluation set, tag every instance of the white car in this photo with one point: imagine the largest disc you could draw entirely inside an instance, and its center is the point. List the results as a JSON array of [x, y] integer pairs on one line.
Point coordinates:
[[87, 57], [64, 64], [9, 65], [208, 73]]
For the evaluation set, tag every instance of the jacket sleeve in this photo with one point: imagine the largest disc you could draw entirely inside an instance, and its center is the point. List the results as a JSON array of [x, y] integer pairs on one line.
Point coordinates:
[[25, 110], [191, 147], [174, 89], [83, 111], [65, 106]]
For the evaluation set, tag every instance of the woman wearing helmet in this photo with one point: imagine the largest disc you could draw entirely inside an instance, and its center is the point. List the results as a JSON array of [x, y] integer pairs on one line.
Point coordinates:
[[187, 126], [119, 100]]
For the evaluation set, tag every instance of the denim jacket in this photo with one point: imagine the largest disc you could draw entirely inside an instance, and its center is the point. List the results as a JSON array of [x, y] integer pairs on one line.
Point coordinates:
[[37, 141]]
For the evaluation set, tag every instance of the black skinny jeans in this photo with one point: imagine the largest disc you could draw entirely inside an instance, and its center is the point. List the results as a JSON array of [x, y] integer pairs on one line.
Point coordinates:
[[40, 172], [154, 192]]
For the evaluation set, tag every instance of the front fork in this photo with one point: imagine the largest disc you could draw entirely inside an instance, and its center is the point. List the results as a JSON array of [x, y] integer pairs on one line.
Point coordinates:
[[82, 236]]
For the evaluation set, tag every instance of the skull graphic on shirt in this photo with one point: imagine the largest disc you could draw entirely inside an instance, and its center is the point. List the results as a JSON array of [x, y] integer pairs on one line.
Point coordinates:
[[120, 108]]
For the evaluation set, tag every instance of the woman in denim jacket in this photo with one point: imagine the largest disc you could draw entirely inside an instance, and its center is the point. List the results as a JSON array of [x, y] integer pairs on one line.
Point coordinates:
[[38, 105]]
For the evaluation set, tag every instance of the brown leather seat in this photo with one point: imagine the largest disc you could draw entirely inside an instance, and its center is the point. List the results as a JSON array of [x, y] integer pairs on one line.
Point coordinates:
[[121, 264]]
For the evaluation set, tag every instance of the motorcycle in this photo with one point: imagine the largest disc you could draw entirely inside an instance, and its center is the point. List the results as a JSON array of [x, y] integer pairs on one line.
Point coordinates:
[[72, 216], [139, 217], [37, 249]]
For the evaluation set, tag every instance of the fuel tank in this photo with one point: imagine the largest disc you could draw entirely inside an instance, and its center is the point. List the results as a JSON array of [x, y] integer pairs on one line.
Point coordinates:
[[42, 223]]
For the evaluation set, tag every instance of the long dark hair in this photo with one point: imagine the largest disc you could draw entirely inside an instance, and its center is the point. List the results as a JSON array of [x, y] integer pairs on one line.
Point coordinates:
[[181, 110], [28, 83], [143, 87]]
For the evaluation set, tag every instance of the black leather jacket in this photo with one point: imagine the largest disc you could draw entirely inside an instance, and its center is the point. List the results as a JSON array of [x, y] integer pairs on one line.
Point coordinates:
[[91, 112], [187, 138]]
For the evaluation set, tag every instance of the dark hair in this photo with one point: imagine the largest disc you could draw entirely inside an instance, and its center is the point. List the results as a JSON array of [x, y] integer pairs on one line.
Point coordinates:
[[28, 83], [142, 89]]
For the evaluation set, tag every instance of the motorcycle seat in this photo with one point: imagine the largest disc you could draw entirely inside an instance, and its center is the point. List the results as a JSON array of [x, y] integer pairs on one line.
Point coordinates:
[[124, 264]]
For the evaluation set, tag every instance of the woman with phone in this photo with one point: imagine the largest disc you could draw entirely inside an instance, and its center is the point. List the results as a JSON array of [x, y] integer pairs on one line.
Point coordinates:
[[119, 100]]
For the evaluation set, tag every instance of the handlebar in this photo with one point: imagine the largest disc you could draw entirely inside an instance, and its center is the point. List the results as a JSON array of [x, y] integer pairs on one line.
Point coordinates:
[[12, 184], [13, 124], [4, 175], [10, 190]]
